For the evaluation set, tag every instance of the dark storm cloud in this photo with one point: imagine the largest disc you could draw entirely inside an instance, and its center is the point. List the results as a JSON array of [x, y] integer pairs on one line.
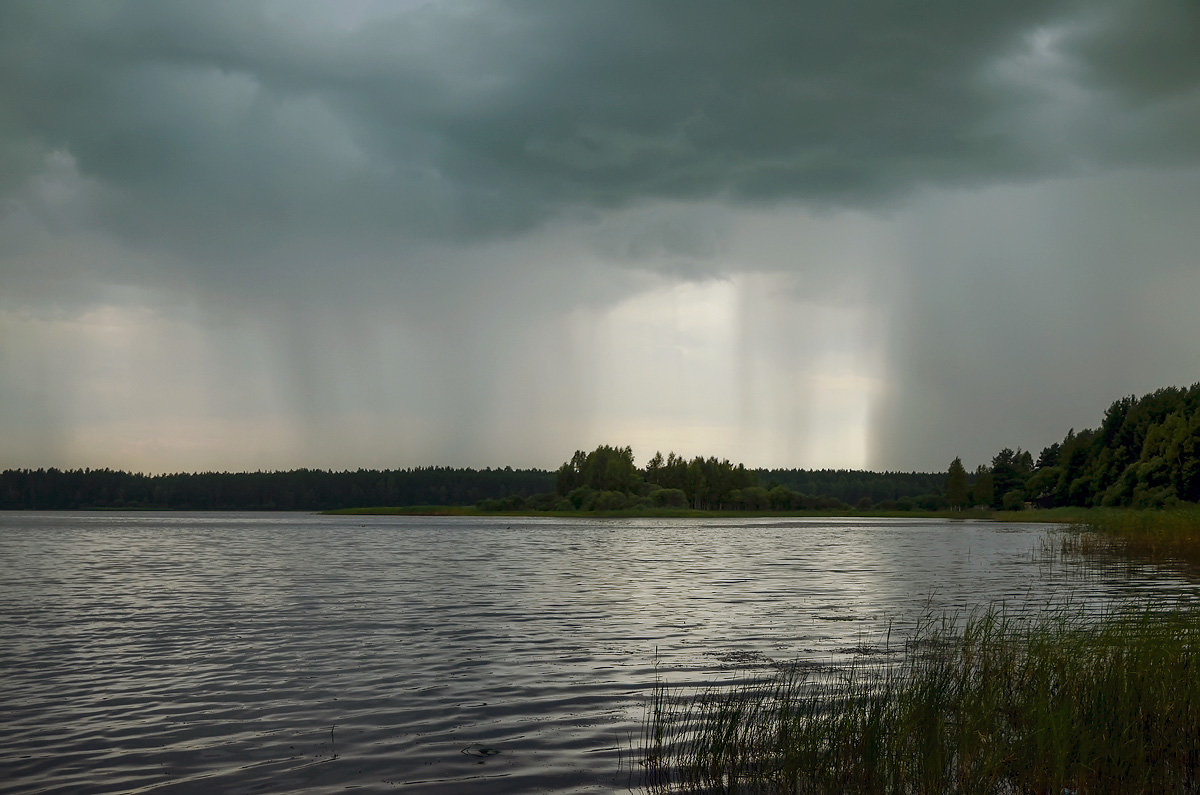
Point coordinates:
[[1146, 49], [359, 211], [216, 128]]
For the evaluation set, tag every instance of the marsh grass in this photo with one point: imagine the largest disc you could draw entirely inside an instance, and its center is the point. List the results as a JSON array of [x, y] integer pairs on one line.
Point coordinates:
[[1162, 535], [1060, 702]]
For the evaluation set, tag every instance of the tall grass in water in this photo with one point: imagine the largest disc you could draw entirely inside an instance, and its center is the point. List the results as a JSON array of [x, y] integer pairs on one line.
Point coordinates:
[[1153, 535], [1057, 703]]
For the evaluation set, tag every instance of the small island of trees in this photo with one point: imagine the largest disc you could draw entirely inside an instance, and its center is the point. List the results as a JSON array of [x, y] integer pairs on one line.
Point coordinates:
[[606, 479]]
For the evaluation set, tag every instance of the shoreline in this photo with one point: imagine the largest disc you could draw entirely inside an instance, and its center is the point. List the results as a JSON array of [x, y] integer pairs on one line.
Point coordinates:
[[1033, 516]]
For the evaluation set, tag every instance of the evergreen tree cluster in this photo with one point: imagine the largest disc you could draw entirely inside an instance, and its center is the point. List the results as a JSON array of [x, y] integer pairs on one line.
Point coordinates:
[[706, 483], [604, 469], [607, 479], [1145, 454]]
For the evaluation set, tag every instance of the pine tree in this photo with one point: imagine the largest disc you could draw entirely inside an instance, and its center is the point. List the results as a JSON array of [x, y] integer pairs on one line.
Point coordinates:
[[983, 489], [956, 485]]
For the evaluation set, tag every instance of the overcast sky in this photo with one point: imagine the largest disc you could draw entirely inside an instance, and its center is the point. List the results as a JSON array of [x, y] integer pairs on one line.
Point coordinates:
[[242, 235]]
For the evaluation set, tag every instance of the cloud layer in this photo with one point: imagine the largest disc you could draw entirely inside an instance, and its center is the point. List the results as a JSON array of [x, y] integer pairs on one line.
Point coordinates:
[[377, 233]]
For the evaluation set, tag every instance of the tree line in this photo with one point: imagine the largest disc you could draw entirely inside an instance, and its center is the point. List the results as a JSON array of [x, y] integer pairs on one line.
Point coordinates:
[[299, 489], [1144, 454], [603, 479], [607, 479], [854, 487]]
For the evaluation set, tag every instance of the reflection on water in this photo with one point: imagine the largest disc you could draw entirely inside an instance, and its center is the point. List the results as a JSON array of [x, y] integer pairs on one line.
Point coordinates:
[[286, 652]]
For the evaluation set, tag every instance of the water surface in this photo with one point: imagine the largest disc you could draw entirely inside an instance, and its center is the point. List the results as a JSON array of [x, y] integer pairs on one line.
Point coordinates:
[[289, 652]]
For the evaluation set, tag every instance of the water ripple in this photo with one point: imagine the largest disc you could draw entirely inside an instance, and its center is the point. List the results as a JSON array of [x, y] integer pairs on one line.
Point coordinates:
[[180, 653]]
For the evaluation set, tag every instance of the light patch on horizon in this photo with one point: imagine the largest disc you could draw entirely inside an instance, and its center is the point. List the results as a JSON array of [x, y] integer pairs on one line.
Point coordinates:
[[120, 382], [738, 368], [659, 368], [811, 371]]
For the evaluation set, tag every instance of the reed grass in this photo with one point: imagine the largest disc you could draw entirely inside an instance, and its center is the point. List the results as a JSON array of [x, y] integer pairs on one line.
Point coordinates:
[[1155, 535], [1060, 702]]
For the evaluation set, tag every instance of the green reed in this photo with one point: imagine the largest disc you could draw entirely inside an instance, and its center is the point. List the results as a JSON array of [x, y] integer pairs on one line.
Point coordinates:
[[1059, 702], [1171, 534]]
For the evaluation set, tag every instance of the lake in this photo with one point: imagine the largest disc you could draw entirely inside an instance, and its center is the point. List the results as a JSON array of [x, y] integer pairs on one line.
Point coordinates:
[[267, 652]]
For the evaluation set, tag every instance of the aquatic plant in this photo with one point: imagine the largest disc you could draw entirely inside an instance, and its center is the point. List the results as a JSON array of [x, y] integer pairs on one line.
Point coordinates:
[[1160, 535], [1057, 702]]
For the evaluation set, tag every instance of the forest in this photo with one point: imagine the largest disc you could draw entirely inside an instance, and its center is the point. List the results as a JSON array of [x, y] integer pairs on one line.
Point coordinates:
[[300, 489], [705, 482], [1144, 453]]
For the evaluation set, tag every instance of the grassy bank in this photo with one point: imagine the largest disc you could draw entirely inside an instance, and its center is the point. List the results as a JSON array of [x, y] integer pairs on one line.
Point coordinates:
[[1057, 703], [1163, 535]]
